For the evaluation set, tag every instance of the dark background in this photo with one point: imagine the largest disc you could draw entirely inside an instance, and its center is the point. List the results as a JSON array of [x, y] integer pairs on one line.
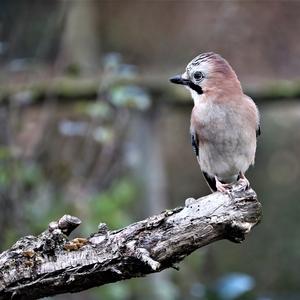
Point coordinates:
[[90, 126]]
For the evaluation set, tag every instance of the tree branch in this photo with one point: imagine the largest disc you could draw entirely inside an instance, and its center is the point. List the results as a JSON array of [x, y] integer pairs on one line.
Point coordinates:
[[67, 90], [51, 264]]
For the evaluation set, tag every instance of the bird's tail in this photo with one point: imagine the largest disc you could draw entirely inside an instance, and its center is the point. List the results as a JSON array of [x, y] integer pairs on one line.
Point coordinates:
[[211, 181]]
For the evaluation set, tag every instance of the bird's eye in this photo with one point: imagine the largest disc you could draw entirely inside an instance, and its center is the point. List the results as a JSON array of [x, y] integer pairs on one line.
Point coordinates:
[[198, 75]]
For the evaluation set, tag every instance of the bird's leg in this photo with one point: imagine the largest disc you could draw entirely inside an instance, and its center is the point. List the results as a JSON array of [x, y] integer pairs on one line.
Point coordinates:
[[222, 187], [245, 184]]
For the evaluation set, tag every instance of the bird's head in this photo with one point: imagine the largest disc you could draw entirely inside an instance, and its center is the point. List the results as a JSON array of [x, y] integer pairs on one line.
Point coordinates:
[[209, 74]]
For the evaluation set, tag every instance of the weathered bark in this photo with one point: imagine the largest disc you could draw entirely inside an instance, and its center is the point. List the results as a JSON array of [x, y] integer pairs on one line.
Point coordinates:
[[50, 264]]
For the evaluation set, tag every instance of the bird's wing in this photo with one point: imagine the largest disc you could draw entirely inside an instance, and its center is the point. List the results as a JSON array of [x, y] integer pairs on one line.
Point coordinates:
[[194, 130], [194, 141], [256, 115], [195, 144]]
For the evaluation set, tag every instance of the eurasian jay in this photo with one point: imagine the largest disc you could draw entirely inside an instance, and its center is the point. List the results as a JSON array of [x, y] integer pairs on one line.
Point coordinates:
[[224, 121]]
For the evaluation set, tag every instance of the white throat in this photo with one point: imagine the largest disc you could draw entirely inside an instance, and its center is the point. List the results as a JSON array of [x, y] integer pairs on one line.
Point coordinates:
[[196, 97]]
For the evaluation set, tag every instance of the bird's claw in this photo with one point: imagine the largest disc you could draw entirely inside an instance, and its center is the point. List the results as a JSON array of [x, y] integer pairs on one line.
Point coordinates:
[[223, 187], [243, 182]]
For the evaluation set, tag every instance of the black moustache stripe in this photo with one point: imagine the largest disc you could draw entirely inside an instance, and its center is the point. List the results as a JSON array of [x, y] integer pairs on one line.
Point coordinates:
[[195, 87]]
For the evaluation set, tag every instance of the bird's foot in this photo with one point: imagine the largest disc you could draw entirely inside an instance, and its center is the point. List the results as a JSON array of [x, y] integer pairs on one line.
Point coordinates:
[[243, 182], [222, 187]]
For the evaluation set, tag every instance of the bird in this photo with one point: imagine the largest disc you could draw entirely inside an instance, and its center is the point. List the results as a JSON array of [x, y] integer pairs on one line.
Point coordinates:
[[225, 123]]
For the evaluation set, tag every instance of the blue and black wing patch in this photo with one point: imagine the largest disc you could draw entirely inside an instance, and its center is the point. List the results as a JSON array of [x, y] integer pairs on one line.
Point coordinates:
[[195, 143], [211, 181]]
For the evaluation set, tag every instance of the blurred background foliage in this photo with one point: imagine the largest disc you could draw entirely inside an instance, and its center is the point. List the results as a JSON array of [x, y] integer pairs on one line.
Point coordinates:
[[91, 127]]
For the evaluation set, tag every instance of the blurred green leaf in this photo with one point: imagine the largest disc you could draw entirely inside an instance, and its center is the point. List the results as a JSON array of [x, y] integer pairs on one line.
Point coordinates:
[[99, 110], [117, 291], [103, 134], [130, 96], [112, 206], [4, 153]]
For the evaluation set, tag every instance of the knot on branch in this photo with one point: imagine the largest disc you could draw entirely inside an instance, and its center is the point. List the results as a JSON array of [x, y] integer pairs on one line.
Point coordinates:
[[143, 255], [235, 231], [68, 223], [102, 228], [56, 235]]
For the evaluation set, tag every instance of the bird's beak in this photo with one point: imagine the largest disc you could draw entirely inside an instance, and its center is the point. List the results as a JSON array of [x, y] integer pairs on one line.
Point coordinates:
[[179, 80]]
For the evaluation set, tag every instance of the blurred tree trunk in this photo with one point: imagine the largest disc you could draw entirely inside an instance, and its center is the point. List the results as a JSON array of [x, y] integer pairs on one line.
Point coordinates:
[[152, 173], [5, 205], [11, 209], [80, 38], [153, 164]]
